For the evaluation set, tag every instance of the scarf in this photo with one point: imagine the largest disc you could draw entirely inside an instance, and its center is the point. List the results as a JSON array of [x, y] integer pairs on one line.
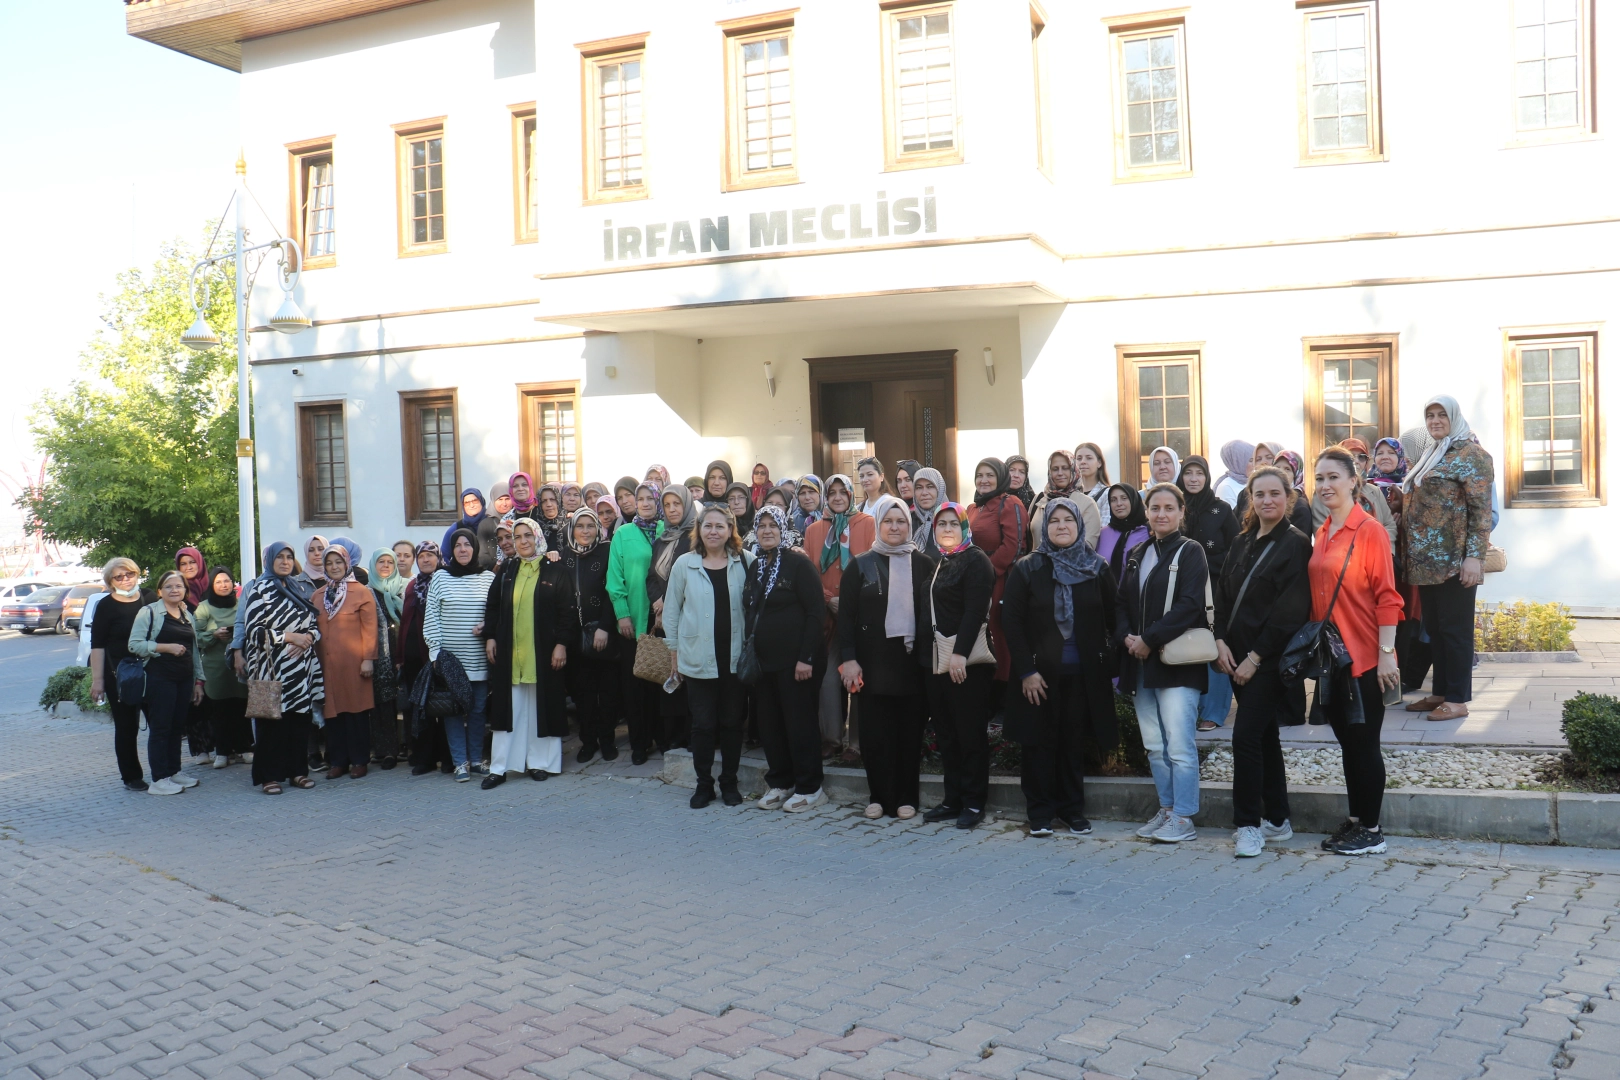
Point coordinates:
[[1052, 490], [1025, 493], [530, 507], [1070, 565], [274, 584], [1415, 441], [1355, 446], [1136, 519], [667, 546], [911, 468], [661, 473], [745, 520], [454, 568], [606, 512], [1197, 505], [1175, 460], [1402, 465], [469, 523], [419, 583], [538, 511], [1296, 465], [900, 618], [539, 538], [769, 563], [649, 526], [756, 492], [837, 545], [574, 519], [197, 587], [953, 563], [562, 492], [390, 588], [216, 601], [1460, 432], [332, 598], [802, 518], [725, 471], [1237, 456], [982, 497]]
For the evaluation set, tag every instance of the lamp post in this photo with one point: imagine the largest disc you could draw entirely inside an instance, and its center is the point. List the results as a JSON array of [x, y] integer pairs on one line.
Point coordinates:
[[288, 319]]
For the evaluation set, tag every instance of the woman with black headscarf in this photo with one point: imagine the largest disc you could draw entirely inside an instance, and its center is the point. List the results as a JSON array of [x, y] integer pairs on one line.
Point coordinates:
[[905, 470], [716, 479], [455, 610], [1127, 526], [741, 505], [428, 745], [225, 696], [1018, 479], [1059, 618], [1211, 521], [279, 631], [592, 652], [999, 526], [476, 519]]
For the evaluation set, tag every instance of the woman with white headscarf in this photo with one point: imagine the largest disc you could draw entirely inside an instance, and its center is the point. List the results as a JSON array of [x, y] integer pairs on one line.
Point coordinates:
[[878, 601], [525, 624], [1164, 467], [1445, 530]]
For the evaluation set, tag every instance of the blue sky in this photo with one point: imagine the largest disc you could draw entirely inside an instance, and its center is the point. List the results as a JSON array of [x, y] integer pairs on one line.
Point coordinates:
[[115, 145]]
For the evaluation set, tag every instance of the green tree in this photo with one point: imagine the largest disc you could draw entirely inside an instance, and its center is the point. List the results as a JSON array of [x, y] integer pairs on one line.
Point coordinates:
[[142, 446]]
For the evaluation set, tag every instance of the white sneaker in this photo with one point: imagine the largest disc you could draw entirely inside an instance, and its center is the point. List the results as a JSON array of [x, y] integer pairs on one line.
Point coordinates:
[[1155, 823], [221, 761], [1271, 832], [185, 781], [800, 803], [166, 786], [1248, 841], [774, 798], [245, 759], [1175, 830], [462, 774]]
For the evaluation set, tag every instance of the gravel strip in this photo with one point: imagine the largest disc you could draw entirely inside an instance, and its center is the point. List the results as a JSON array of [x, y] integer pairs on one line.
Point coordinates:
[[1440, 768]]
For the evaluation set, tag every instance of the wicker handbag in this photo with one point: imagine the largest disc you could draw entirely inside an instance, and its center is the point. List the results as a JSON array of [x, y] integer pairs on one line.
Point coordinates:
[[652, 658], [1495, 560]]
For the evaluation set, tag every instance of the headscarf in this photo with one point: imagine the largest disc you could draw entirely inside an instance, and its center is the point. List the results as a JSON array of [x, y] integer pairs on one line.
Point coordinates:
[[1000, 469], [501, 488], [450, 565], [1460, 432], [925, 518], [606, 522], [470, 523], [745, 520], [1136, 519], [1175, 459], [271, 582], [538, 513], [663, 474], [836, 547], [563, 489], [530, 507], [314, 573], [694, 482], [1415, 441], [598, 487], [649, 526], [1070, 565], [352, 550], [725, 470], [197, 587], [390, 588], [664, 550], [539, 537], [900, 616], [967, 529], [419, 583], [574, 518], [802, 518], [1355, 446], [756, 492], [1297, 465], [1052, 490], [1388, 479], [216, 601], [1237, 456], [910, 467], [1025, 493], [1197, 504], [770, 563], [335, 592]]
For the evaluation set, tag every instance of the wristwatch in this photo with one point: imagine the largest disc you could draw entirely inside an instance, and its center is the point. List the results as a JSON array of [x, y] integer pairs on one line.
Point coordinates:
[[1386, 648]]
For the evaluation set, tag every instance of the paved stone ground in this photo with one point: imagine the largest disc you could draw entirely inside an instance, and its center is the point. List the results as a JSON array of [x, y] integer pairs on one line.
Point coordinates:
[[595, 926]]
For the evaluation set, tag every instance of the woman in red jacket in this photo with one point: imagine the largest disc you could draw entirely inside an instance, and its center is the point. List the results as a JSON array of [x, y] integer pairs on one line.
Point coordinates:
[[999, 526]]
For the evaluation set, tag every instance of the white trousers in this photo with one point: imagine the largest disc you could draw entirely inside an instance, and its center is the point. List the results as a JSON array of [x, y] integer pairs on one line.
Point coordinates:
[[523, 748]]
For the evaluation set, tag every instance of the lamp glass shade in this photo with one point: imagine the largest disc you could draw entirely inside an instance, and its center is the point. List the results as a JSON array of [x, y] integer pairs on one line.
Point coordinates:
[[200, 335], [288, 319]]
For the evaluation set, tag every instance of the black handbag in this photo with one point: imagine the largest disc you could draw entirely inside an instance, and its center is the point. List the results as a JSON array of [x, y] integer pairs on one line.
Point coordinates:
[[131, 675], [1316, 651], [748, 669]]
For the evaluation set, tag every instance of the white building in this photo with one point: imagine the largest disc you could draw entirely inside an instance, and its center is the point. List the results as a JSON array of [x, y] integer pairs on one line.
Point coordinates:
[[580, 238]]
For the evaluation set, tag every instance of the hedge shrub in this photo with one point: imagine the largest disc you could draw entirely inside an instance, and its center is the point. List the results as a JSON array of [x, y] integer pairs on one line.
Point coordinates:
[[1523, 627], [1592, 726], [69, 684]]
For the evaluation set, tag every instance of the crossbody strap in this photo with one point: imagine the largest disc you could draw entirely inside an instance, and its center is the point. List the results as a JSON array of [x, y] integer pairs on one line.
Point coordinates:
[[1238, 603], [1329, 615], [933, 621]]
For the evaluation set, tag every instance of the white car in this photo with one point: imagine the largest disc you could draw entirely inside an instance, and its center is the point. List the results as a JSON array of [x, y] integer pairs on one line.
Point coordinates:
[[84, 627]]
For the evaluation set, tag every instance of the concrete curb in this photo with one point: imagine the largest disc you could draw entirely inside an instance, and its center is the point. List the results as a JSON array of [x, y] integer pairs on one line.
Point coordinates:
[[1563, 657], [1574, 819]]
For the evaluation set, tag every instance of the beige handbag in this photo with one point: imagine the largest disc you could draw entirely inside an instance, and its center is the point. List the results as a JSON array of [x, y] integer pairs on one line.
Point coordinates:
[[264, 699], [1195, 645], [1495, 560], [652, 659], [945, 646]]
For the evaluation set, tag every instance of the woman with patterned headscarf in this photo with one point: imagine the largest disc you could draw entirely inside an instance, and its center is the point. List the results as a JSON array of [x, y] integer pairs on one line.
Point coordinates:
[[280, 629], [347, 617], [592, 653], [831, 543], [807, 504]]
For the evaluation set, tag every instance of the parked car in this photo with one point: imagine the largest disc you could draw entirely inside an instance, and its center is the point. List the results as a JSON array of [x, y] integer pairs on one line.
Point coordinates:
[[85, 623], [39, 610], [13, 590], [77, 598]]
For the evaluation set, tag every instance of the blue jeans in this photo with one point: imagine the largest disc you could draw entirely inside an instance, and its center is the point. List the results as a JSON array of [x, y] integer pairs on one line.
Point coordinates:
[[466, 733], [1168, 719], [1218, 701]]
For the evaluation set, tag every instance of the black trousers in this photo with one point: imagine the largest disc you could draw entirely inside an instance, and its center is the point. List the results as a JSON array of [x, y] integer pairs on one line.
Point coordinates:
[[1415, 657], [429, 746], [1363, 753], [677, 719], [595, 690], [348, 739], [1448, 616], [790, 730], [168, 707], [961, 714], [384, 741], [891, 748], [126, 735], [280, 748], [641, 704], [1259, 781], [227, 720], [1053, 777], [717, 718], [200, 730]]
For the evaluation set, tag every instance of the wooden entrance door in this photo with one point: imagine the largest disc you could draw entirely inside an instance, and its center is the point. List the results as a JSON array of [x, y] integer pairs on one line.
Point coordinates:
[[890, 406]]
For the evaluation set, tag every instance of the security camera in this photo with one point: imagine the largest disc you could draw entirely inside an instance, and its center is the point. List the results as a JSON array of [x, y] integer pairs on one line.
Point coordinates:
[[297, 372]]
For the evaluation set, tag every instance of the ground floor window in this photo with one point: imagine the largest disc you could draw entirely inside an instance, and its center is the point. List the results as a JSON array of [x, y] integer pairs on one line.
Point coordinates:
[[550, 431], [1160, 404], [1349, 390], [323, 464], [432, 466], [1551, 420]]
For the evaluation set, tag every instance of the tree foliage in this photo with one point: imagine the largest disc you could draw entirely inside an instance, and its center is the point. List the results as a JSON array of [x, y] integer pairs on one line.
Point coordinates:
[[142, 446]]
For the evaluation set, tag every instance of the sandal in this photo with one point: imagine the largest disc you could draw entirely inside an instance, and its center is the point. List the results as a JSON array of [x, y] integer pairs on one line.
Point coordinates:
[[1207, 725], [302, 782], [906, 813], [272, 788], [1450, 710], [873, 810]]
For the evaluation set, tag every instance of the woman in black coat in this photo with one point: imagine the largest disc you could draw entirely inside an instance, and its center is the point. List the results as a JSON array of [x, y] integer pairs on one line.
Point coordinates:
[[879, 596], [956, 603], [1262, 598], [680, 519], [1213, 524], [526, 702], [1058, 615], [784, 610], [1166, 694], [592, 654]]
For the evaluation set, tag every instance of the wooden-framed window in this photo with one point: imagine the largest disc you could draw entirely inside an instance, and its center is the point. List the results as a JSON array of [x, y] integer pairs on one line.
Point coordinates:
[[422, 219], [428, 431], [549, 426], [1339, 119], [1349, 389], [525, 181], [312, 201], [1038, 65], [323, 464], [1552, 68], [921, 124], [761, 140], [1160, 404], [614, 91], [1554, 436], [1151, 132]]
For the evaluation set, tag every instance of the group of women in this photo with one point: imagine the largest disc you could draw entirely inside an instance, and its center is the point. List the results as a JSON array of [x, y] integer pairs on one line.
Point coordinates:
[[843, 618]]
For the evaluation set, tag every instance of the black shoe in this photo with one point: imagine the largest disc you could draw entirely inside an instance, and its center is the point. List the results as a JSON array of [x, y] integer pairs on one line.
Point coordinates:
[[389, 762], [610, 753], [448, 768], [730, 795], [134, 785], [493, 780], [1079, 826], [969, 818], [1360, 841], [539, 774], [638, 757], [1040, 830], [585, 754], [316, 762], [662, 750], [703, 796], [942, 813], [1344, 830], [423, 769]]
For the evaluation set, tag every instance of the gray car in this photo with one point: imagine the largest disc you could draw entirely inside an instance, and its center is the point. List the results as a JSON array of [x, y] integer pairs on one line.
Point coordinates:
[[42, 609]]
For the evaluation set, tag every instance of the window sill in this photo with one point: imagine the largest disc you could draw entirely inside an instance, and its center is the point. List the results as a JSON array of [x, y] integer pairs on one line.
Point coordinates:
[[430, 522], [320, 262], [1561, 500], [614, 195], [782, 178], [930, 160], [1145, 177], [1525, 140], [1313, 160], [424, 249], [319, 522]]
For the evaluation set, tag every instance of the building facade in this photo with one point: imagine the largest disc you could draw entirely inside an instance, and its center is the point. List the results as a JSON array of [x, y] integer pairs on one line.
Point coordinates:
[[581, 238]]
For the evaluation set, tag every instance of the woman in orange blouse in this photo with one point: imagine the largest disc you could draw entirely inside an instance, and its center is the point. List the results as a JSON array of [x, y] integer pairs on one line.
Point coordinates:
[[1366, 613], [347, 617]]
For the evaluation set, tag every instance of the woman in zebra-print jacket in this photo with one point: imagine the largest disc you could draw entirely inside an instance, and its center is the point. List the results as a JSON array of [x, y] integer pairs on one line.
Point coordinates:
[[279, 644]]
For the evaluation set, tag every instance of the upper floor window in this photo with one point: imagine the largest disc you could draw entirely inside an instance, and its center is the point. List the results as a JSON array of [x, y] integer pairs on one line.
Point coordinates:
[[1150, 120], [323, 464], [525, 181], [1349, 389], [1551, 418], [421, 197], [1339, 82], [1551, 50], [549, 426], [921, 126], [432, 464], [760, 140], [313, 210], [615, 151]]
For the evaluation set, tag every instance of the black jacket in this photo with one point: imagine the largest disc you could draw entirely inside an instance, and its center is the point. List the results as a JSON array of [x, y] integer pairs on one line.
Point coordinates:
[[1215, 529], [1141, 612], [1300, 517], [1278, 600], [959, 608], [1029, 623], [787, 630], [863, 605], [587, 584], [554, 623]]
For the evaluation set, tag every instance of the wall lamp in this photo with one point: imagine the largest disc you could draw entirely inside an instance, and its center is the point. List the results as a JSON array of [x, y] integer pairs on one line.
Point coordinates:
[[990, 365], [770, 378]]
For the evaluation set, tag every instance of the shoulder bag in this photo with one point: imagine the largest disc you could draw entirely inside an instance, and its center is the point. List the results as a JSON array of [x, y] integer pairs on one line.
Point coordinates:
[[131, 672], [1196, 644], [1495, 560], [944, 646], [587, 630], [264, 695], [748, 669], [652, 659], [1316, 650]]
